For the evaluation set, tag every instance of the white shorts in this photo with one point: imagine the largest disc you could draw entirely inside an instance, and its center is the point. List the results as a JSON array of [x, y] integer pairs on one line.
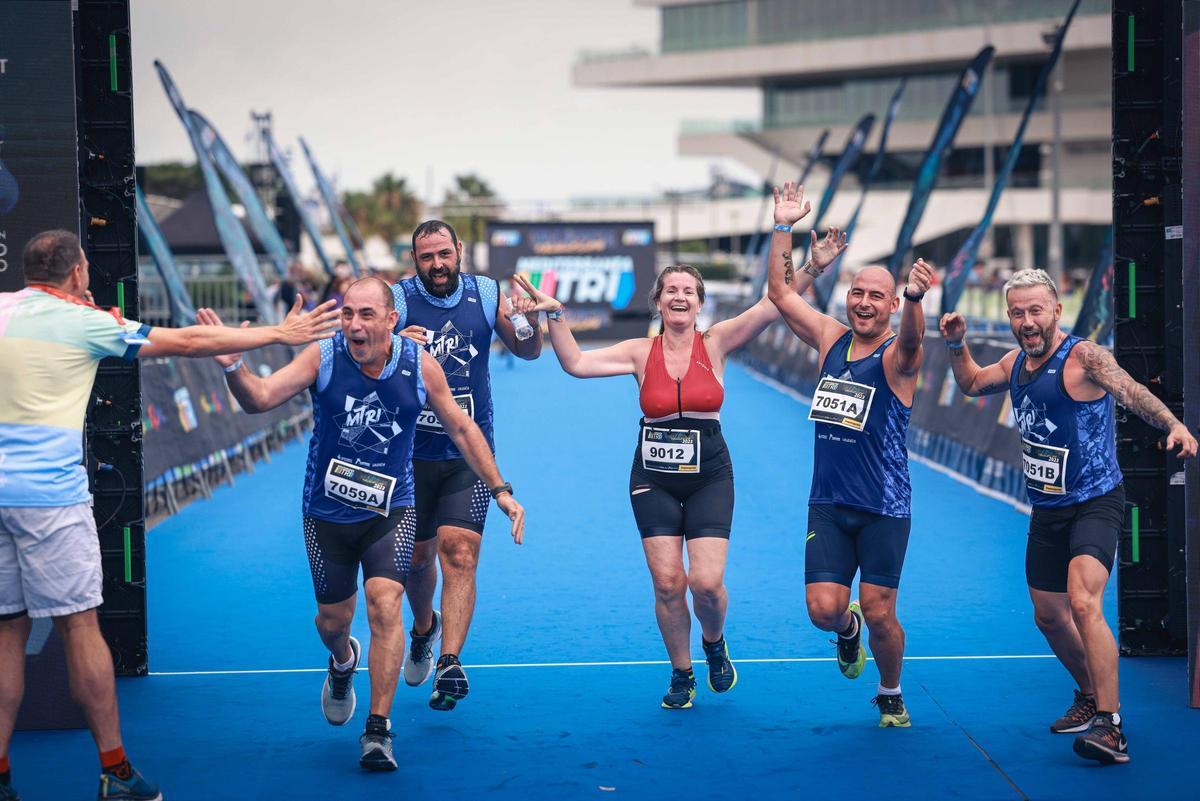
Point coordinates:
[[49, 560]]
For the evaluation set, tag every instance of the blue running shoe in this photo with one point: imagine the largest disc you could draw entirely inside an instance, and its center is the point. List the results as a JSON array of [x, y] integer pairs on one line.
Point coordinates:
[[682, 690], [136, 788], [449, 684], [722, 675]]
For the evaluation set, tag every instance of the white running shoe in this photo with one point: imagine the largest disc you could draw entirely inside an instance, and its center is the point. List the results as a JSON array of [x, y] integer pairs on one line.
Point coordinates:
[[418, 665], [337, 696]]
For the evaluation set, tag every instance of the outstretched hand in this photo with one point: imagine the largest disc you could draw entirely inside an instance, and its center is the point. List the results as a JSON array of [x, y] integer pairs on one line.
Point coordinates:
[[953, 326], [301, 327], [210, 317], [1180, 437], [541, 301], [518, 302], [825, 251], [920, 278], [790, 206]]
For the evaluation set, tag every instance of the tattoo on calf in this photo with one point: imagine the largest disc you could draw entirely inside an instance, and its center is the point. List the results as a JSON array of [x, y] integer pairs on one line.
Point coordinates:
[[1100, 366], [788, 272]]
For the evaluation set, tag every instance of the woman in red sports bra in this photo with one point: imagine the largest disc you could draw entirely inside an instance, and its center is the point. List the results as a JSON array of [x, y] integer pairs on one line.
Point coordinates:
[[681, 482]]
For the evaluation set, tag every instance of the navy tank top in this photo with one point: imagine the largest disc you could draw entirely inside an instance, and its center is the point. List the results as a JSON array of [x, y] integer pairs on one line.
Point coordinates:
[[360, 453], [860, 456], [462, 326], [1068, 447]]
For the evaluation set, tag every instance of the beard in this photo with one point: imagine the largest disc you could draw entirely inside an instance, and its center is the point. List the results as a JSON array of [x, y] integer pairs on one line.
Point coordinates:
[[1039, 348], [451, 285]]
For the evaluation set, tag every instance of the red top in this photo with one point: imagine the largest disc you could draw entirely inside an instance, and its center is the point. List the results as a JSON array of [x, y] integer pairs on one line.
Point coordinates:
[[697, 391]]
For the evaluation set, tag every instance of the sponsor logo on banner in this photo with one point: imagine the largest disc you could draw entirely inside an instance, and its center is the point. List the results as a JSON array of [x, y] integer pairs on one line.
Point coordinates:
[[637, 237], [187, 414], [505, 238]]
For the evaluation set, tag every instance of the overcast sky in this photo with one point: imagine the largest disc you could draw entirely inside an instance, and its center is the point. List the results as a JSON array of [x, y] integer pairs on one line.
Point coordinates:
[[425, 89]]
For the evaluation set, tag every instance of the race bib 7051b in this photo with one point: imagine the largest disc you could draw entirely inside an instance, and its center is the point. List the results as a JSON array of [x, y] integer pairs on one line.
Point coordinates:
[[1045, 467]]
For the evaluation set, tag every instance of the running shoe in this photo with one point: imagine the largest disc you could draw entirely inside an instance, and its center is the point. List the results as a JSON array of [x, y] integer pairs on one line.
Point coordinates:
[[8, 793], [376, 744], [1103, 741], [136, 788], [419, 663], [722, 675], [337, 696], [1078, 717], [682, 690], [892, 711], [851, 656], [449, 685]]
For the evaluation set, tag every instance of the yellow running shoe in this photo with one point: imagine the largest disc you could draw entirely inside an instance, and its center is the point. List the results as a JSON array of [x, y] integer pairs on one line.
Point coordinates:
[[892, 711], [851, 656], [682, 690]]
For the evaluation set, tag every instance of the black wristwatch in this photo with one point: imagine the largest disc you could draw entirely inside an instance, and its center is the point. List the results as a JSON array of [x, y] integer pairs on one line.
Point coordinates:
[[916, 299], [505, 487]]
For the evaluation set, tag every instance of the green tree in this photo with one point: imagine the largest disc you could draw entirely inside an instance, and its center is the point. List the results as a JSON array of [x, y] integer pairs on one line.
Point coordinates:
[[389, 210], [469, 206], [174, 179]]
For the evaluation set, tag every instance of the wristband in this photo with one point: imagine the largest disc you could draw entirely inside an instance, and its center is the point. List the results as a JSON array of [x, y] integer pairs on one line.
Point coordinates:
[[783, 229], [954, 345], [557, 314], [913, 298], [501, 488], [811, 269], [233, 368]]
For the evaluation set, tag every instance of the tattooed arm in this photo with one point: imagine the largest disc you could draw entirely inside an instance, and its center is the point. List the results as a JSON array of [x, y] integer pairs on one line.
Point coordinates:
[[1102, 370], [972, 379]]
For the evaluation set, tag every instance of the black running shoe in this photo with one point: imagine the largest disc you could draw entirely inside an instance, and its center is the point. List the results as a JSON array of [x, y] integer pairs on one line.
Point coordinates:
[[1103, 741], [682, 690], [892, 711], [449, 684], [376, 743], [1078, 717], [722, 675]]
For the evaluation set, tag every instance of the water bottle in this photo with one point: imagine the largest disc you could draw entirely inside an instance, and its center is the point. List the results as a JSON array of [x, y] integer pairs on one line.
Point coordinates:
[[521, 325]]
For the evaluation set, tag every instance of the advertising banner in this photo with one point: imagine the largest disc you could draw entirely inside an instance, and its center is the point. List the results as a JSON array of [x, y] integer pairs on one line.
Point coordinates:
[[943, 140], [955, 280], [602, 271], [39, 168]]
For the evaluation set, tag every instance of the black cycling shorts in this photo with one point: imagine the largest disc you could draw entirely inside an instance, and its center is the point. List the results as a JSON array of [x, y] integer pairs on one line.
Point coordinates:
[[449, 494], [382, 545], [1058, 535], [842, 540], [687, 504]]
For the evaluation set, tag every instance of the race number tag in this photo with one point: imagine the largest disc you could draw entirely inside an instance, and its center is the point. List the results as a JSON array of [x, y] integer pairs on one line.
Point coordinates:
[[359, 487], [427, 420], [842, 403], [670, 450], [1045, 467]]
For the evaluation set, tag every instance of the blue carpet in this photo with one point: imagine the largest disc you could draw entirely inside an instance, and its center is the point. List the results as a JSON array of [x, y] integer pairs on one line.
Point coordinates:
[[229, 591]]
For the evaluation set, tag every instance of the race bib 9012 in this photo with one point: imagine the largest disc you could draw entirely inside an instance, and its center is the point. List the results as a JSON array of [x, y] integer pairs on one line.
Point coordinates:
[[671, 450], [1045, 467], [842, 403], [359, 487]]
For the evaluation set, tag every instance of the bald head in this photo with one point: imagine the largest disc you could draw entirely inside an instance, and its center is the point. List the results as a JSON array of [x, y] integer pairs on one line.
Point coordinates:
[[869, 278], [370, 290]]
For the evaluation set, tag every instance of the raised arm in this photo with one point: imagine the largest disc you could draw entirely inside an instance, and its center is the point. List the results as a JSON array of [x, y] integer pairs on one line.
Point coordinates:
[[1102, 370], [469, 440], [785, 285], [618, 359], [257, 394], [972, 379], [298, 328], [912, 319], [729, 335]]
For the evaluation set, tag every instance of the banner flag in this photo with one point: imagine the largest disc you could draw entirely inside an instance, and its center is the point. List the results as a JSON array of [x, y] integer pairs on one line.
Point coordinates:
[[956, 110], [260, 223], [959, 269], [233, 236], [310, 225], [183, 311], [331, 203], [823, 286], [1097, 314]]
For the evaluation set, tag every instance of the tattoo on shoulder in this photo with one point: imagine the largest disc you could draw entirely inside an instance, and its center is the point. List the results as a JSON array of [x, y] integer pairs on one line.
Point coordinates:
[[1100, 366], [788, 272]]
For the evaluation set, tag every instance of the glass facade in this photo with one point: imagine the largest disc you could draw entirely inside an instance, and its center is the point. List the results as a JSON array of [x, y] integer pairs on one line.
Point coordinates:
[[704, 26]]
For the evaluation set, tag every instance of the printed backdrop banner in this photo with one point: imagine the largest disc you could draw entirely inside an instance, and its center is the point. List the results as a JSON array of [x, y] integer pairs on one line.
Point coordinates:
[[602, 271], [39, 170]]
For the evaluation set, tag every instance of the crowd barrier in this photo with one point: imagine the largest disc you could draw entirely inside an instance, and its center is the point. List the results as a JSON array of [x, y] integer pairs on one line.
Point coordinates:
[[974, 437]]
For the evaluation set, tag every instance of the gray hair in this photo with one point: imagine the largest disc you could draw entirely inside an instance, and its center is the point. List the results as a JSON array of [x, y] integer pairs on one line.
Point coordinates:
[[1027, 278]]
